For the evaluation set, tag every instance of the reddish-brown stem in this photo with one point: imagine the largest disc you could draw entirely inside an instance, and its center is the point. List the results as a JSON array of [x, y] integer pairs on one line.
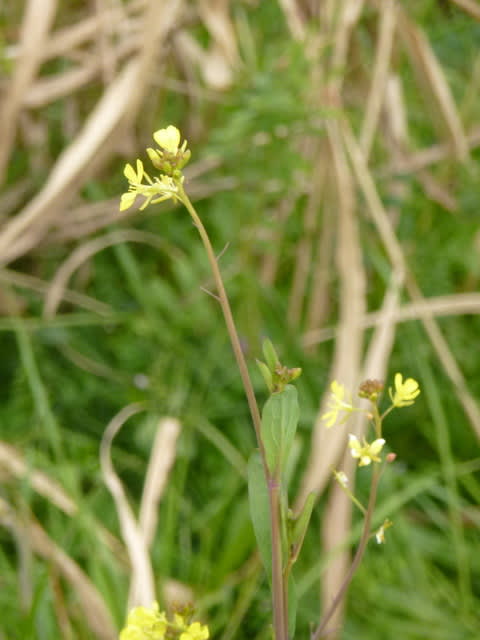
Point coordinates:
[[280, 621], [356, 560]]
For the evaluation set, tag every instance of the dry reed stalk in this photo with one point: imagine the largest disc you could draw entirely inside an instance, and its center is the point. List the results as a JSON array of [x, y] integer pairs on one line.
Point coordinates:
[[319, 304], [83, 253], [345, 367], [65, 41], [381, 66], [394, 251], [161, 460], [346, 361], [337, 517], [271, 259], [90, 365], [117, 107], [336, 523], [13, 465], [470, 6], [417, 160], [23, 231], [432, 81], [37, 22], [450, 305], [294, 19], [40, 286], [95, 613], [305, 248], [132, 535]]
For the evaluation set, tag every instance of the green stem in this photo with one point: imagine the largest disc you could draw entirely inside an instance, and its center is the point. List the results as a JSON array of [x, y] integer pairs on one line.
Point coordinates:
[[319, 632], [278, 597]]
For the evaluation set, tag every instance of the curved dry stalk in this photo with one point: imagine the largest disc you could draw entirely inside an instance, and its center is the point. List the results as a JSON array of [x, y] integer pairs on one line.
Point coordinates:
[[142, 573], [84, 252], [94, 610], [41, 286]]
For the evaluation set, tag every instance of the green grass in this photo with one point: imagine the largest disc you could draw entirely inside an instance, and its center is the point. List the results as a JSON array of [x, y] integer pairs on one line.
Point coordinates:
[[166, 329]]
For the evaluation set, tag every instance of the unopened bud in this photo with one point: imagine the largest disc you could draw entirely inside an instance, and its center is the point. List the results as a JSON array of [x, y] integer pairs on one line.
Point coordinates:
[[390, 457], [370, 389]]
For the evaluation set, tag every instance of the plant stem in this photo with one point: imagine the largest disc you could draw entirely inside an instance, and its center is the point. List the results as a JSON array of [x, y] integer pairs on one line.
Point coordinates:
[[357, 558], [280, 621], [228, 316], [280, 610]]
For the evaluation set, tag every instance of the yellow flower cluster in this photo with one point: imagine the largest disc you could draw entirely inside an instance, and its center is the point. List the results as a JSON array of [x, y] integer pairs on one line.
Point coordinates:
[[144, 623], [403, 395], [170, 159]]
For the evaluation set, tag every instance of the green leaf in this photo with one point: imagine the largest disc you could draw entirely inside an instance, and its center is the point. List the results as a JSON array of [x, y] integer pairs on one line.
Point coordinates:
[[267, 376], [270, 354], [260, 510], [292, 606], [300, 525], [279, 424]]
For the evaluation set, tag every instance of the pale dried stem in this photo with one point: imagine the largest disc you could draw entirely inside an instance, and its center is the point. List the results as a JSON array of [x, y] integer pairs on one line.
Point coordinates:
[[395, 254], [304, 251], [470, 6], [450, 305], [432, 81], [94, 610], [83, 253], [376, 96], [319, 300], [37, 21], [133, 537], [348, 352]]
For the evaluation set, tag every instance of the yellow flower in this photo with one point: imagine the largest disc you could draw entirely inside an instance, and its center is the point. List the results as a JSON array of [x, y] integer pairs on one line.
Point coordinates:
[[336, 404], [156, 190], [405, 392], [195, 631], [365, 453], [170, 158], [169, 139], [145, 623], [380, 533]]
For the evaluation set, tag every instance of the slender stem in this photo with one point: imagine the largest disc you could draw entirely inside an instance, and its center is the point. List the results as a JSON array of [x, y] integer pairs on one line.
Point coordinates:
[[280, 619], [356, 560], [227, 314], [278, 597]]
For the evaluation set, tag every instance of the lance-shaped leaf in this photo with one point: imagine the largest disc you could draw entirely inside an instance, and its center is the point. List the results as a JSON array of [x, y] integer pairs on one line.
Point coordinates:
[[298, 527], [260, 510], [267, 376], [270, 354], [279, 424], [292, 606]]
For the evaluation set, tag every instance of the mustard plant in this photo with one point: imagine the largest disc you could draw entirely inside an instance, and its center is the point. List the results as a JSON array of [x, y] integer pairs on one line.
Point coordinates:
[[279, 532]]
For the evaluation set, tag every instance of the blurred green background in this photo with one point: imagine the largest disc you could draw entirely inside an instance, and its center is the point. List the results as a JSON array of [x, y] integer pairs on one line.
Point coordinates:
[[100, 310]]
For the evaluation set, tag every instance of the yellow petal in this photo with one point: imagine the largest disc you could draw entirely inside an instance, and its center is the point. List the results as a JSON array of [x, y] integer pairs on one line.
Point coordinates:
[[168, 138], [127, 200], [376, 446], [129, 173]]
